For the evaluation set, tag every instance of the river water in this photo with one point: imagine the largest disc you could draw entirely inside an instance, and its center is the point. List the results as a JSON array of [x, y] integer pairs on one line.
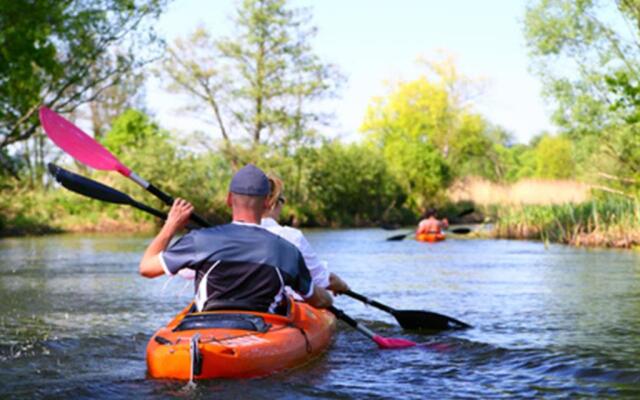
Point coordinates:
[[554, 322]]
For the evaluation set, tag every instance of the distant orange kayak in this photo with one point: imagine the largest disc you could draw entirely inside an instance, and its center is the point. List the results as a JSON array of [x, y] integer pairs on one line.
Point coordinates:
[[430, 237], [238, 344]]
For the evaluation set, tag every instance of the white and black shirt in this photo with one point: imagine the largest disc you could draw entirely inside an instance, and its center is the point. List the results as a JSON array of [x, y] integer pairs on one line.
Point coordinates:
[[239, 262]]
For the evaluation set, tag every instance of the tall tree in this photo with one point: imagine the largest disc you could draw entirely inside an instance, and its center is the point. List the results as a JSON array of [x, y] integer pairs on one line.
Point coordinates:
[[588, 56], [428, 133], [261, 80], [126, 93], [554, 158], [195, 68], [66, 53]]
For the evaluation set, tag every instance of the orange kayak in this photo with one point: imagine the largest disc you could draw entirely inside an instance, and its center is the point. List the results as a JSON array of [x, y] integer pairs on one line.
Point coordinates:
[[430, 237], [238, 344]]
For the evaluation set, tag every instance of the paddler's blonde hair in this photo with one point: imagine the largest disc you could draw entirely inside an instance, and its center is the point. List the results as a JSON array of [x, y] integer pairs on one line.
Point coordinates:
[[276, 187]]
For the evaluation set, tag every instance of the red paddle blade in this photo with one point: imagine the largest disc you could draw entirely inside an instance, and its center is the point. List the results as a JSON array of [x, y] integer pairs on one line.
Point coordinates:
[[78, 144], [393, 343]]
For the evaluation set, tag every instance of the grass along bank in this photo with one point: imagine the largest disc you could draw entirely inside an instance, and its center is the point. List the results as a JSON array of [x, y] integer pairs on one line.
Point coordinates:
[[610, 222], [25, 211]]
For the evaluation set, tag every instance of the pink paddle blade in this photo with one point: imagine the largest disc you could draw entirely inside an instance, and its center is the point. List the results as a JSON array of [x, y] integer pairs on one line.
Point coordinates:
[[393, 343], [78, 144]]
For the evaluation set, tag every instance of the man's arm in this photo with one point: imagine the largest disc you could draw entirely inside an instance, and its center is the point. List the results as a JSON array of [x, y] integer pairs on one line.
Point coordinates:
[[336, 284], [320, 298], [150, 265]]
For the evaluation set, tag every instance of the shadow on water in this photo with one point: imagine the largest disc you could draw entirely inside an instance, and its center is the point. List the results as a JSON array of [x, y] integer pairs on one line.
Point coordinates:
[[557, 323]]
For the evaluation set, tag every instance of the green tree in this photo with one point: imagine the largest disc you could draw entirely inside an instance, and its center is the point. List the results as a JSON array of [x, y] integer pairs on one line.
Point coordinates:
[[474, 152], [194, 67], [587, 54], [133, 130], [262, 80], [64, 54], [109, 103], [349, 185], [554, 158], [518, 161], [428, 133]]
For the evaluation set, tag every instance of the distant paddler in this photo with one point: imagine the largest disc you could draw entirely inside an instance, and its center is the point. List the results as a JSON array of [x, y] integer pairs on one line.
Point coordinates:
[[430, 227]]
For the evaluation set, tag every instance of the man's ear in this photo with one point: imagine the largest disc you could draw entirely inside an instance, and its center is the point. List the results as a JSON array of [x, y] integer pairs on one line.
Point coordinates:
[[229, 199]]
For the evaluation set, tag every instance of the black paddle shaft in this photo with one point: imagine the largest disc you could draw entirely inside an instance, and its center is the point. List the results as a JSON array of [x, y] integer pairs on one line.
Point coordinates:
[[342, 316], [168, 200], [353, 323], [369, 301]]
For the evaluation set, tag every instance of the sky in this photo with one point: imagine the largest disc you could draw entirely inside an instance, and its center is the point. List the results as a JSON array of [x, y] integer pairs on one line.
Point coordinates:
[[375, 41]]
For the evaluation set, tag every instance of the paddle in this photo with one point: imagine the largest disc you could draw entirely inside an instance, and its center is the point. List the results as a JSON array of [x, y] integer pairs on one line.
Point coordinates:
[[396, 238], [85, 149], [414, 319], [457, 231], [382, 342], [95, 190]]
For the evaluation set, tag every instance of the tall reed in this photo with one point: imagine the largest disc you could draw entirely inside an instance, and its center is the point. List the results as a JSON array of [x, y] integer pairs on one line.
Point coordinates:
[[610, 222]]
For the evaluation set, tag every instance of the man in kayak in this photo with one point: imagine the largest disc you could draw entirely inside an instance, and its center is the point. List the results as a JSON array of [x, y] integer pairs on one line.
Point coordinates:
[[430, 224], [240, 264], [319, 272]]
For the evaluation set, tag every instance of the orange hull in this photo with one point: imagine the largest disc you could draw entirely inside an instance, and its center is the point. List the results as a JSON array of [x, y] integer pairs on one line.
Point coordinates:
[[430, 237], [286, 342]]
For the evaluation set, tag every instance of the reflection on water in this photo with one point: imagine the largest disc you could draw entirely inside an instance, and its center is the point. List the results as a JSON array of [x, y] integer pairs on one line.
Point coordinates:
[[563, 322]]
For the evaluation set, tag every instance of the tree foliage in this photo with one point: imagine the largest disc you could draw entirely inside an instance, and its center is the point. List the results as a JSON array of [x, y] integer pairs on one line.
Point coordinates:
[[587, 54], [63, 54], [428, 133], [110, 102], [554, 158], [259, 83], [349, 185], [194, 68], [516, 161], [133, 130]]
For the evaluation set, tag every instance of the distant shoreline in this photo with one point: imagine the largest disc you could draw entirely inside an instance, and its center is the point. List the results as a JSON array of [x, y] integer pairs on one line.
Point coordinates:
[[616, 240]]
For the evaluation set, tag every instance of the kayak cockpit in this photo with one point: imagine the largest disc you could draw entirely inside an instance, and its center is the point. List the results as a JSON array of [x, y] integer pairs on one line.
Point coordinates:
[[245, 322]]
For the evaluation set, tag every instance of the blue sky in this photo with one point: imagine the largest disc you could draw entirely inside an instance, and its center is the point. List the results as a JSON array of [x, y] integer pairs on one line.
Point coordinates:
[[374, 41]]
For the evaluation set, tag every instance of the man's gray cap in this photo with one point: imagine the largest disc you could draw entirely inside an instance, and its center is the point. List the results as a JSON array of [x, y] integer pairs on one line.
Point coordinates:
[[250, 181]]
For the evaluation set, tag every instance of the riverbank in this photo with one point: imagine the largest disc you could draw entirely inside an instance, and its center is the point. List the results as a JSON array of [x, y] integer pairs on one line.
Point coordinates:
[[102, 224], [606, 222], [597, 223], [25, 212], [558, 211]]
